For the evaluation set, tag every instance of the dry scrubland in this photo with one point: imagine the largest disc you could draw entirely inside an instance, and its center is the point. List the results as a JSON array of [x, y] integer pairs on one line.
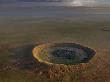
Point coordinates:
[[19, 36]]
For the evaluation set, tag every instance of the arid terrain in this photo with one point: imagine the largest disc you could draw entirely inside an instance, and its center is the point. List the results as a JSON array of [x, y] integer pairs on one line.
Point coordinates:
[[18, 37]]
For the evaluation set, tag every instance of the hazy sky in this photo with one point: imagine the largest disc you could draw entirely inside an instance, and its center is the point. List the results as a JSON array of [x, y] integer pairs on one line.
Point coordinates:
[[103, 1], [96, 2]]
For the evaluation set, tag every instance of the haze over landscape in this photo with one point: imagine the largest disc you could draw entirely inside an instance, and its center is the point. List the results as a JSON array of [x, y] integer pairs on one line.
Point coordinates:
[[54, 40]]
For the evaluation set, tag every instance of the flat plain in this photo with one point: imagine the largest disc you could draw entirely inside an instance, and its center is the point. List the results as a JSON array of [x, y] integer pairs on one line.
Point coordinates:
[[18, 36]]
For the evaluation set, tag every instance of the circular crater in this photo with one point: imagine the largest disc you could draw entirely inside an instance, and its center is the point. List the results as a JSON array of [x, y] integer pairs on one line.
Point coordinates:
[[63, 53]]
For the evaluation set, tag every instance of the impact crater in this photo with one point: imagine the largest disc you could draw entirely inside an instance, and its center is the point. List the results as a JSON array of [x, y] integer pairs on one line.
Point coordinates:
[[63, 53]]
